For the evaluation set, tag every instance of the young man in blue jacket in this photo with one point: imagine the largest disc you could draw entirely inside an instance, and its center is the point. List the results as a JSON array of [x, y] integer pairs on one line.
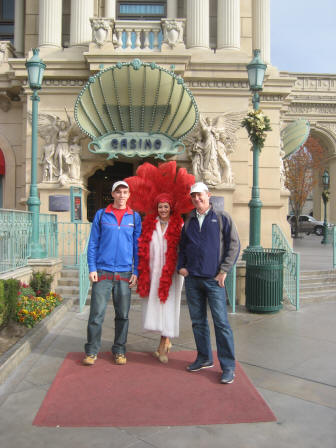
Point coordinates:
[[113, 267], [209, 248]]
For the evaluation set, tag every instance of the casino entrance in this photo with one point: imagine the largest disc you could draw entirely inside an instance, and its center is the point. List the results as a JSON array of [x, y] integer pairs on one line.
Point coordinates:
[[100, 185]]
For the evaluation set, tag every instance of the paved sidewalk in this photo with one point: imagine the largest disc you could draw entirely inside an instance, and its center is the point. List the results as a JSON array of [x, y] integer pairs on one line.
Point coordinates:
[[289, 356], [314, 255]]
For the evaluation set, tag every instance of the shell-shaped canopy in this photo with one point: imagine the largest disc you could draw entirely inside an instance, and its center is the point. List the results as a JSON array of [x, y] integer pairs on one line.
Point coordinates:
[[136, 97]]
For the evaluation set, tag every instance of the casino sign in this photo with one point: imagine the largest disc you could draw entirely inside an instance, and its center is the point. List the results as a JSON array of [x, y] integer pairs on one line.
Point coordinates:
[[136, 109]]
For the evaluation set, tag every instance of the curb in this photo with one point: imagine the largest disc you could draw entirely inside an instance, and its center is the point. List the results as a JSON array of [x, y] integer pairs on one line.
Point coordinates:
[[22, 348]]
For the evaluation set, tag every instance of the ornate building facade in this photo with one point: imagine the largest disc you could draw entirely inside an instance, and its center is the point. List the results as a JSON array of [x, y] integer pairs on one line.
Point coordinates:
[[206, 42]]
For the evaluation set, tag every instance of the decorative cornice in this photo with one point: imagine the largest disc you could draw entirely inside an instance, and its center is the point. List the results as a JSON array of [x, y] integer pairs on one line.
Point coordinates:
[[315, 98], [59, 82], [272, 98], [315, 83], [313, 108], [209, 84]]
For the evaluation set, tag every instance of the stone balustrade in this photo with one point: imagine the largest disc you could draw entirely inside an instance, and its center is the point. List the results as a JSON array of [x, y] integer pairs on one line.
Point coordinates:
[[135, 35], [138, 35]]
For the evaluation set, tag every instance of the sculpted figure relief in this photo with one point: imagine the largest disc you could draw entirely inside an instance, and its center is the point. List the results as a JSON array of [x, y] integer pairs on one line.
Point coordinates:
[[47, 160], [61, 152], [209, 147]]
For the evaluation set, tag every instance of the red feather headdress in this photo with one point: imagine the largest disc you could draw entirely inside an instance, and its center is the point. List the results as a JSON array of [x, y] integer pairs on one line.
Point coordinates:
[[150, 182]]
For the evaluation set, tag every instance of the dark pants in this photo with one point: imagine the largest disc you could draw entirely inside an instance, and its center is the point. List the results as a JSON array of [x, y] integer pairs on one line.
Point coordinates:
[[199, 292], [117, 284]]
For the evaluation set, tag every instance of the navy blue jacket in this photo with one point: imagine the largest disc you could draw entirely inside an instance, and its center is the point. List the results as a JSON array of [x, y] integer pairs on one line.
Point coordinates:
[[207, 251]]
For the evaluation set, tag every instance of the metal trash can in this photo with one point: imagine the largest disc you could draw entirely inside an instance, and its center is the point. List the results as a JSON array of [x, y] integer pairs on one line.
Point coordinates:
[[264, 280]]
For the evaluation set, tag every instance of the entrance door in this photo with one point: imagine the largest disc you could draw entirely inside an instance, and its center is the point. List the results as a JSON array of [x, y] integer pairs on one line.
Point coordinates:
[[100, 185]]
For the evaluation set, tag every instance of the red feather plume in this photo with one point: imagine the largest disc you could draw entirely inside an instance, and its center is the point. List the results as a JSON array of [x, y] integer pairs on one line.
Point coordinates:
[[149, 182]]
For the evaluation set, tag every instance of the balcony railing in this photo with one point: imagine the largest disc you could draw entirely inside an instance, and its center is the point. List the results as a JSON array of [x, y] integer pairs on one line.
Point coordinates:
[[15, 233], [136, 35], [132, 35]]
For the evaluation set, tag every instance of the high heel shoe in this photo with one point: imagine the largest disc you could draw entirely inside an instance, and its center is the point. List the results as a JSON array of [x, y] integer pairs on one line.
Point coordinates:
[[163, 356]]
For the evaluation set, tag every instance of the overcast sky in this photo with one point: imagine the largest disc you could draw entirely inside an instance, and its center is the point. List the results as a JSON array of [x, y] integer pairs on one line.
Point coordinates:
[[303, 35]]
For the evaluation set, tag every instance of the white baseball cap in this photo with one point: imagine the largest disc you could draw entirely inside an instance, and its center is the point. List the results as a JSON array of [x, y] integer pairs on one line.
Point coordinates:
[[198, 187], [117, 184]]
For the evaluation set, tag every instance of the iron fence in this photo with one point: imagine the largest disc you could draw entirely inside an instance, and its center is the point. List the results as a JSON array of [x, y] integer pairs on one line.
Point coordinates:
[[15, 233], [291, 263]]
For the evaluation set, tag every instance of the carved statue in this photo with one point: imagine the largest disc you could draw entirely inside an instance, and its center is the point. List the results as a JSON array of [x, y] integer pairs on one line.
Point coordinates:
[[57, 156], [74, 161], [47, 160], [173, 30], [100, 29], [209, 147], [282, 170], [3, 50]]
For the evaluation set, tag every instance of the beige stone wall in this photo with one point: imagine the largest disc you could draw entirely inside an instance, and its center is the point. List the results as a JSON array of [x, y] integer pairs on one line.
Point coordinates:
[[246, 26], [31, 25]]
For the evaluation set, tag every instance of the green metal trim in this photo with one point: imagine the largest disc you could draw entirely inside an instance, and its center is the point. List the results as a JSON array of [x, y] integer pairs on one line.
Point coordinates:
[[108, 110], [177, 109], [103, 145], [89, 118], [130, 98], [136, 63], [155, 103], [185, 116], [96, 108], [143, 102], [118, 102], [291, 266], [167, 105]]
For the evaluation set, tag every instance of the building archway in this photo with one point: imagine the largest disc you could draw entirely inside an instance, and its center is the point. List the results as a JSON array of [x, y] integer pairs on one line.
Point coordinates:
[[327, 140], [100, 185], [8, 177]]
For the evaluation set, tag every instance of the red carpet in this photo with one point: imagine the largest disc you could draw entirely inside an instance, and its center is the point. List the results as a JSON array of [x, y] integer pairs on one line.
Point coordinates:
[[147, 393]]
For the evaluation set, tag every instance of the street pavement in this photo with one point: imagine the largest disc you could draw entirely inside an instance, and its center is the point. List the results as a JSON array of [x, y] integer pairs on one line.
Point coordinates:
[[290, 356], [314, 255]]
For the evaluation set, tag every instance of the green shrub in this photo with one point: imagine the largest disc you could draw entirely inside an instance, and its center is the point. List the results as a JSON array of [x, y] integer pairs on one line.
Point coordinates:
[[2, 303], [11, 287], [41, 283], [9, 290]]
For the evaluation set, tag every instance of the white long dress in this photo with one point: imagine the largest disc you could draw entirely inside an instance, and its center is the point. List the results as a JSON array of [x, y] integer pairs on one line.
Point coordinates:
[[157, 316]]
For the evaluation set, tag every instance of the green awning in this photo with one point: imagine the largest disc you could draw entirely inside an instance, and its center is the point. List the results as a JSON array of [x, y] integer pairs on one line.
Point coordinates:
[[294, 136]]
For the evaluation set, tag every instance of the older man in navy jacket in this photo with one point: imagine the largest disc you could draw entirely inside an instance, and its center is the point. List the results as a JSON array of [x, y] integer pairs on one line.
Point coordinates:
[[209, 248]]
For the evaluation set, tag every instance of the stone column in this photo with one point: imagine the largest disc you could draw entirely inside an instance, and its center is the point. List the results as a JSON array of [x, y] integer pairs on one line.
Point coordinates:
[[80, 27], [171, 9], [228, 24], [50, 23], [19, 27], [261, 29], [198, 23], [110, 9]]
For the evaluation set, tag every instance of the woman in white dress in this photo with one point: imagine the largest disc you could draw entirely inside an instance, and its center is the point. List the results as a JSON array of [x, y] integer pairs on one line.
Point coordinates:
[[162, 194], [161, 284]]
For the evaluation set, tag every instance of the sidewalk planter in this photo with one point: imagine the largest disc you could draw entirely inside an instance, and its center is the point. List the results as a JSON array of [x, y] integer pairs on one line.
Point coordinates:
[[264, 280]]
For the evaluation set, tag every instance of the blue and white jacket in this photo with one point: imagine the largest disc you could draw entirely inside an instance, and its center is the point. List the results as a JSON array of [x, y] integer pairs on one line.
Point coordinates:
[[211, 249], [112, 247]]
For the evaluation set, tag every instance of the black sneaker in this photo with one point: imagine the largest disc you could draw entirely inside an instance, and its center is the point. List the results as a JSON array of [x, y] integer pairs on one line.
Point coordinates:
[[198, 365], [227, 377]]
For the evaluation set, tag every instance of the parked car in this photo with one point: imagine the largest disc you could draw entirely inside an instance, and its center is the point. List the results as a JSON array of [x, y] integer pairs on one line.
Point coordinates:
[[307, 224]]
